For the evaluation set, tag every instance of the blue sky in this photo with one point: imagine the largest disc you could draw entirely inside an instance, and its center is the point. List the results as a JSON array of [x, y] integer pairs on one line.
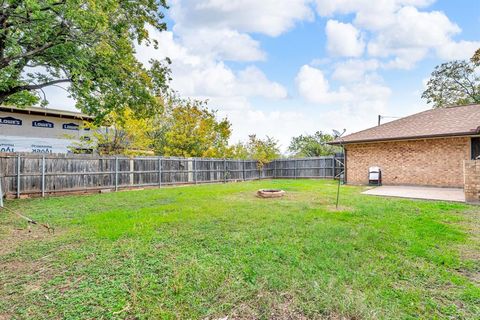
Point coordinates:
[[287, 67]]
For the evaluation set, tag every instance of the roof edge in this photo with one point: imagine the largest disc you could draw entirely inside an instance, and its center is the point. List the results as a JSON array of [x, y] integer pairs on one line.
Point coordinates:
[[458, 134], [47, 112]]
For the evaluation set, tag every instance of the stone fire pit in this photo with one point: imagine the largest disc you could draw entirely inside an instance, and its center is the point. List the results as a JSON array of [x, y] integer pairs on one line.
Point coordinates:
[[270, 193]]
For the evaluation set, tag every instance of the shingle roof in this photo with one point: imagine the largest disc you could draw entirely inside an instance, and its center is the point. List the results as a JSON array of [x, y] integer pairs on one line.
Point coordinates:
[[46, 112], [451, 121]]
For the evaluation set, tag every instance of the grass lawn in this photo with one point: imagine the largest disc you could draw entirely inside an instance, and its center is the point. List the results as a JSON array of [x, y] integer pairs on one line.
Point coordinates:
[[211, 251]]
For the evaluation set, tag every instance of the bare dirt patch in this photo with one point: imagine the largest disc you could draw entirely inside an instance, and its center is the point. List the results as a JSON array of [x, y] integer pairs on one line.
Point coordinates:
[[285, 309], [15, 236], [470, 251], [333, 208]]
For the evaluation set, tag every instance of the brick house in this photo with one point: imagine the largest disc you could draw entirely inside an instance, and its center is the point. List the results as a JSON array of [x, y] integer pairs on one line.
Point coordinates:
[[428, 148]]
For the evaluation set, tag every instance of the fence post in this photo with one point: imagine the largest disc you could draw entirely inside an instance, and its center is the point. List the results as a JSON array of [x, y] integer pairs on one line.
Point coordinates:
[[131, 175], [18, 175], [84, 178], [43, 176], [243, 169], [295, 170], [116, 173], [195, 170], [224, 170], [334, 166], [274, 169], [1, 193], [159, 171]]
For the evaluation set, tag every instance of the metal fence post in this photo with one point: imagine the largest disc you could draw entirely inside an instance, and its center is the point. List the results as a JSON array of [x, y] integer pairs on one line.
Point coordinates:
[[243, 168], [1, 193], [295, 170], [43, 176], [116, 173], [224, 170], [18, 175], [159, 171], [84, 178], [334, 166], [195, 170]]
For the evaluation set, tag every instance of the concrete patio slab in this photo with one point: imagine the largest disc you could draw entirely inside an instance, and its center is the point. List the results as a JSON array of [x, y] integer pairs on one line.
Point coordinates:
[[414, 192]]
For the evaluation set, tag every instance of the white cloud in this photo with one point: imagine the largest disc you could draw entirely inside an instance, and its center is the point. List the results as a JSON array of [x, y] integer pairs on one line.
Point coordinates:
[[343, 39], [461, 50], [412, 33], [419, 29], [253, 82], [206, 75], [354, 70], [406, 58], [247, 119], [270, 17], [353, 106], [368, 96], [167, 47], [329, 8], [396, 30], [220, 29], [222, 44], [314, 87]]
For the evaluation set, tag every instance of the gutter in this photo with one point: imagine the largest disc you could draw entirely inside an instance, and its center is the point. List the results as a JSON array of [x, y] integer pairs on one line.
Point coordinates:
[[458, 134], [47, 112]]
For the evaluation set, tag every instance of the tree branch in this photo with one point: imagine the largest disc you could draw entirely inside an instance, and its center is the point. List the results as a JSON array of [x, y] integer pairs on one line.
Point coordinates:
[[5, 61], [7, 93], [467, 91]]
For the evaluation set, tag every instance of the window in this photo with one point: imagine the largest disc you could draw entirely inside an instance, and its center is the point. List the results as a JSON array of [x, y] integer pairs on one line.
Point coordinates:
[[475, 148]]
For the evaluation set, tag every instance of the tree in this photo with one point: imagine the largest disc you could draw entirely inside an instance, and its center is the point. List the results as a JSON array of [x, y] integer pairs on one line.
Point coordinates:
[[120, 134], [239, 151], [312, 145], [88, 45], [187, 128], [476, 58], [454, 83], [262, 150]]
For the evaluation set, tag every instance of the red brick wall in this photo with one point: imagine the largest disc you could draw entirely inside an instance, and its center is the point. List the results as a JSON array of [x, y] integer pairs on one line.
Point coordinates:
[[435, 162], [472, 181]]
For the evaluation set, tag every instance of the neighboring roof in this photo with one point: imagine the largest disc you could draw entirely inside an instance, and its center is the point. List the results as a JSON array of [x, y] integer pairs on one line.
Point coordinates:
[[441, 122], [47, 112]]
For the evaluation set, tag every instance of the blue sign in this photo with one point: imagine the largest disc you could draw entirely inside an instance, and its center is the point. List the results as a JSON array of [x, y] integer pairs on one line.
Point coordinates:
[[70, 126], [42, 124], [11, 121]]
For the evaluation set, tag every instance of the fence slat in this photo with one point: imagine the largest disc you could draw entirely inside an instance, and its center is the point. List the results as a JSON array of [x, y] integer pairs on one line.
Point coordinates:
[[43, 176], [19, 160]]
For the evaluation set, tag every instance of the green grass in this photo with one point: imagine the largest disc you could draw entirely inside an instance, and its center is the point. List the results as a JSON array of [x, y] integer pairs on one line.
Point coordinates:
[[211, 251]]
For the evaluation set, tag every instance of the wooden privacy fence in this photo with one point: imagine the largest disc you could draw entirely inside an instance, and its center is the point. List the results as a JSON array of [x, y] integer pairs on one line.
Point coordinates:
[[33, 174]]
